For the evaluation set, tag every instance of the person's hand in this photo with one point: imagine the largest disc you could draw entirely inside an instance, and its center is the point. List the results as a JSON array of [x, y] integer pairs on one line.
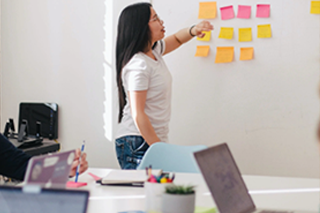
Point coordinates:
[[75, 163], [200, 27]]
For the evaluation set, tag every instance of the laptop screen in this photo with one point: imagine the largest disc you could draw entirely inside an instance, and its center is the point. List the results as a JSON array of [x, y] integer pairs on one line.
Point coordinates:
[[16, 200], [224, 180], [50, 170]]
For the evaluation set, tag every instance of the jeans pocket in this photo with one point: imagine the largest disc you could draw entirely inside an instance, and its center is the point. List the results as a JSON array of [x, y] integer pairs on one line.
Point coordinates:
[[120, 151], [138, 145]]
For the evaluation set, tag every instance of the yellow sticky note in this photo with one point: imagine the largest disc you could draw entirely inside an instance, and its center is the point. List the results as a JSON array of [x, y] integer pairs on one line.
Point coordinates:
[[207, 10], [246, 53], [315, 7], [224, 54], [264, 31], [245, 34], [202, 51], [206, 37], [226, 32]]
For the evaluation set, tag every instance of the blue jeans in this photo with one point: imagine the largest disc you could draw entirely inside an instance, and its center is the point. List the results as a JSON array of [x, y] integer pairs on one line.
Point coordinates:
[[130, 150]]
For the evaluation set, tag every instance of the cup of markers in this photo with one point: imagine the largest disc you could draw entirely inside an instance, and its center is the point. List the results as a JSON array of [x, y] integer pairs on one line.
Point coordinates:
[[155, 187]]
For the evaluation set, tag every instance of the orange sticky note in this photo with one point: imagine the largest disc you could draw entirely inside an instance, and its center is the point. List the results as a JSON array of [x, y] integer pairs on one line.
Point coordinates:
[[207, 10], [264, 31], [224, 54], [246, 53], [315, 7], [202, 51]]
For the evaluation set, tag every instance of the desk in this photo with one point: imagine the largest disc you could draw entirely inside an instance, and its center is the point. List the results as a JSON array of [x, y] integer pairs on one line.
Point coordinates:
[[267, 192], [44, 148]]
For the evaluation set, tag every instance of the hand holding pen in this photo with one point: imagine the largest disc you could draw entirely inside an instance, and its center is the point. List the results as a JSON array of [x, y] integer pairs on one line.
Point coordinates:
[[80, 161]]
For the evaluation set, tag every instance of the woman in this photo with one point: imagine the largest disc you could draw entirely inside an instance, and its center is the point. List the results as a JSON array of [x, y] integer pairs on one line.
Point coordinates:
[[144, 81]]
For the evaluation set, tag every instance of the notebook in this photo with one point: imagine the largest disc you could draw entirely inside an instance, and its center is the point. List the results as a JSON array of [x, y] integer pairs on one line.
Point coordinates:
[[125, 178], [37, 200], [225, 182], [50, 170]]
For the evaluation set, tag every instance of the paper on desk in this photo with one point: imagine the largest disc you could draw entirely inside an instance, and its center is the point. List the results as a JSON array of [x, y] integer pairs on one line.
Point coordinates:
[[124, 176]]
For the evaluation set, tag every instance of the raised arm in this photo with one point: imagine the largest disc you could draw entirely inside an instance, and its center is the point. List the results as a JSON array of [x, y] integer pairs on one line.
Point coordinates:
[[137, 101], [184, 35]]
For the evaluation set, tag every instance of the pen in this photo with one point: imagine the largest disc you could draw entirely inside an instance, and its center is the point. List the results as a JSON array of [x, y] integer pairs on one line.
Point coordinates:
[[78, 167]]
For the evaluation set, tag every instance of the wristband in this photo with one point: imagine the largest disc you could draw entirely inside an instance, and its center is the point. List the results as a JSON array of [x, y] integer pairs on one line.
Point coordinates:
[[190, 31]]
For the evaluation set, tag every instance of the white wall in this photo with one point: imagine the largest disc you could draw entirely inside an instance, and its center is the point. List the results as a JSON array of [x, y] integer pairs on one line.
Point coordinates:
[[266, 109], [63, 51]]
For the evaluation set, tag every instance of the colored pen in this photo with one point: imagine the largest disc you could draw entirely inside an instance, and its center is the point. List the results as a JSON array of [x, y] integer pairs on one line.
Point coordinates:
[[78, 167]]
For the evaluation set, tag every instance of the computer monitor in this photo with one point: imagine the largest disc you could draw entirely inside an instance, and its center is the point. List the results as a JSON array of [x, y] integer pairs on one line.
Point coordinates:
[[45, 113]]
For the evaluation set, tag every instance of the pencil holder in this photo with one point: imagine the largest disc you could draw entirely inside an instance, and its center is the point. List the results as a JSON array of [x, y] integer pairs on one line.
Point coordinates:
[[154, 193]]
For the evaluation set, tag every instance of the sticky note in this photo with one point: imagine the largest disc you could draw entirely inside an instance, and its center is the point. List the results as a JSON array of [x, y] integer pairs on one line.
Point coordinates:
[[224, 54], [246, 53], [227, 12], [72, 184], [315, 7], [202, 51], [244, 11], [263, 11], [226, 32], [206, 37], [245, 34], [264, 31], [207, 10]]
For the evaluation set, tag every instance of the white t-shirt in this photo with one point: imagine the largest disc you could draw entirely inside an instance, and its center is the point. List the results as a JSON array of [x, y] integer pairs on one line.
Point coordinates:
[[144, 73]]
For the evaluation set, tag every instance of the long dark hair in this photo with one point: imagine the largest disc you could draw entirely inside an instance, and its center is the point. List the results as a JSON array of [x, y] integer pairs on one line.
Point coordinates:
[[133, 36]]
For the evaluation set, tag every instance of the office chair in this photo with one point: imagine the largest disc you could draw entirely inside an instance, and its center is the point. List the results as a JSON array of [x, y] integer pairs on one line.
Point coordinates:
[[171, 157]]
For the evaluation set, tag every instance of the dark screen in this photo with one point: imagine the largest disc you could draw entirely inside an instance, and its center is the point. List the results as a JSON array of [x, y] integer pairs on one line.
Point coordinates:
[[46, 113]]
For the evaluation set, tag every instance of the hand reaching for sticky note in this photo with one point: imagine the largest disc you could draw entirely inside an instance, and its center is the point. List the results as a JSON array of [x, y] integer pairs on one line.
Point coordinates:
[[200, 27]]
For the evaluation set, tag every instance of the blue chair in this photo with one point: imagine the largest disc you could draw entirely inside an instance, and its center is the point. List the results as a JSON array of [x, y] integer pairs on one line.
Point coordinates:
[[171, 158]]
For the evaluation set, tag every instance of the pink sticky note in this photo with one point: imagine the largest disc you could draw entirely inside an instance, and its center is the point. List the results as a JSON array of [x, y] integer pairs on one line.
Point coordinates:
[[227, 12], [263, 11], [72, 184], [244, 11], [95, 177]]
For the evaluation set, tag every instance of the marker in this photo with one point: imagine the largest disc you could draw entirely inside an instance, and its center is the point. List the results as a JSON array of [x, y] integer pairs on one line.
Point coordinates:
[[78, 167]]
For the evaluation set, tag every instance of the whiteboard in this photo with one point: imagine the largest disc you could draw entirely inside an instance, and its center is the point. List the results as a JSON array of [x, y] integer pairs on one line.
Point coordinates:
[[267, 108]]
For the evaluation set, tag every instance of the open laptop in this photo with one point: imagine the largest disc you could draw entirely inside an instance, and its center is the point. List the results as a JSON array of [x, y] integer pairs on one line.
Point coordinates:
[[50, 170], [225, 182], [37, 200]]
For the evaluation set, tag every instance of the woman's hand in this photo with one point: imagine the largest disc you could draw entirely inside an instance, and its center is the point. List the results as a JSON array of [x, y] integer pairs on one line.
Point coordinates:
[[200, 27]]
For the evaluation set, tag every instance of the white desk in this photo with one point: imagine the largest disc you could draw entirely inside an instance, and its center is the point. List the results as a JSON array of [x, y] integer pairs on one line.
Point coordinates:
[[267, 192]]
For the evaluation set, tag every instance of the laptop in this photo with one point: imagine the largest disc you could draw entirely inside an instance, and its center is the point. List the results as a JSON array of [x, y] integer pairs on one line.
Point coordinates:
[[225, 182], [36, 200], [50, 170]]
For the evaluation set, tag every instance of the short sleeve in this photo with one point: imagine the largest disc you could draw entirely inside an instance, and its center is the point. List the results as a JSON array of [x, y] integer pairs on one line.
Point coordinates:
[[135, 75], [160, 47]]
